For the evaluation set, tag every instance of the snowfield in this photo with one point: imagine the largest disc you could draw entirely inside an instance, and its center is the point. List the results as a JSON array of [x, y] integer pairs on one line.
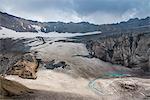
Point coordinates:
[[4, 33]]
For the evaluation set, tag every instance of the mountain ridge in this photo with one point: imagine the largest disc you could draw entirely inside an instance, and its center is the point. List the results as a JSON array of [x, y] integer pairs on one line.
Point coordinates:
[[19, 24]]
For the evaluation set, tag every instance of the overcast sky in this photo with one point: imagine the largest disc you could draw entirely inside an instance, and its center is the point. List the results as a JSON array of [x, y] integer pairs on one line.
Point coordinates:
[[94, 11]]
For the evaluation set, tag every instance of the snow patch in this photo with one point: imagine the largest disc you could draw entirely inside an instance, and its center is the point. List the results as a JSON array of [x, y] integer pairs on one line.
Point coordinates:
[[5, 33], [22, 25], [36, 27], [29, 26]]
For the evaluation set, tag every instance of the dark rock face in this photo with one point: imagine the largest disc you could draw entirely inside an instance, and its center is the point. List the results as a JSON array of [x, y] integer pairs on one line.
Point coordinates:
[[11, 51], [131, 50]]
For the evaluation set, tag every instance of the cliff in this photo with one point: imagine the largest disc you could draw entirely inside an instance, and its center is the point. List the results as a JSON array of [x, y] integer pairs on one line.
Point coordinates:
[[131, 50]]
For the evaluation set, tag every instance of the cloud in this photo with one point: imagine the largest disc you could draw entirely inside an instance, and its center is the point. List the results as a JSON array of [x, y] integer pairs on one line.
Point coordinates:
[[94, 11], [131, 13]]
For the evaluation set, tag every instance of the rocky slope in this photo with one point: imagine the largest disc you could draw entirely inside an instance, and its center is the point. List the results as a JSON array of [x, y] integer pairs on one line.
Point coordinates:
[[132, 50], [22, 25], [10, 88]]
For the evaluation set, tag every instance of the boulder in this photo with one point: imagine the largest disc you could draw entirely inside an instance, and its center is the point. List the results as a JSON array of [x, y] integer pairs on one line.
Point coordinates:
[[52, 64]]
